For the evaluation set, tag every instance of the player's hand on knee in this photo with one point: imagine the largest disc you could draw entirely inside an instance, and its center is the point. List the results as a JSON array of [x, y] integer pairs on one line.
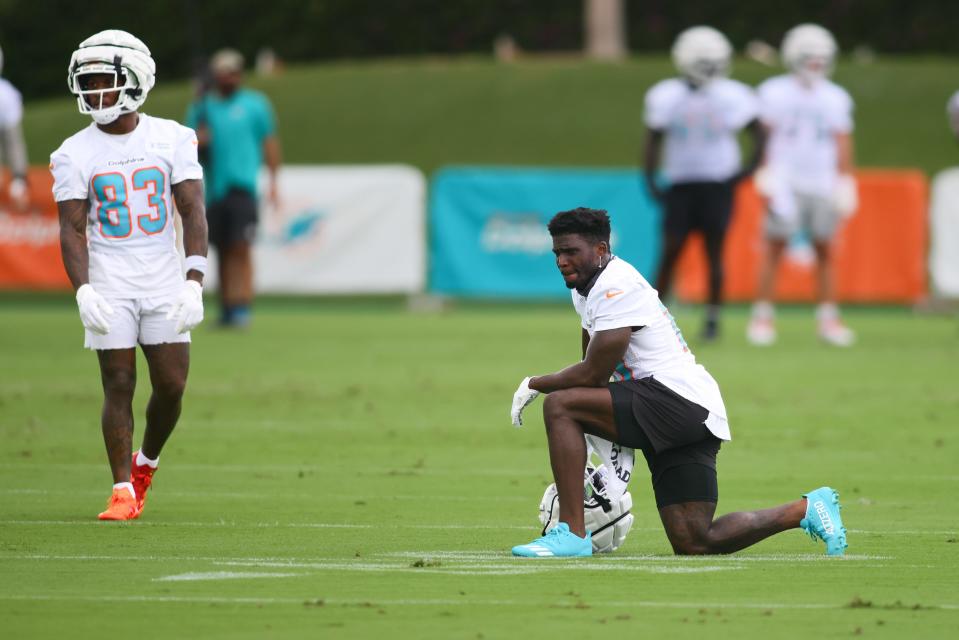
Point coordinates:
[[94, 310], [523, 396], [187, 309]]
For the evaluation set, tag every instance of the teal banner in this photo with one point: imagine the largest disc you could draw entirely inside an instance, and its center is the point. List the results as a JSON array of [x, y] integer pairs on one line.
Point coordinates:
[[488, 235]]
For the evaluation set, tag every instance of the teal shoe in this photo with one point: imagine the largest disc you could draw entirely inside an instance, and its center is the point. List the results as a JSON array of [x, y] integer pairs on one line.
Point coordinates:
[[823, 522], [560, 542]]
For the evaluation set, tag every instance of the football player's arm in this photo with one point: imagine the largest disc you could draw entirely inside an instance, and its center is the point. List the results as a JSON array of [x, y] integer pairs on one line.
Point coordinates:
[[73, 240], [188, 195], [757, 136], [585, 342], [604, 352], [844, 147], [652, 148], [273, 156]]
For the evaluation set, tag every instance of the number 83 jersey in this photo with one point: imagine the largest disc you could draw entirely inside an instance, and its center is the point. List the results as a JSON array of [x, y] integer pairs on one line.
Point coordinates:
[[127, 180]]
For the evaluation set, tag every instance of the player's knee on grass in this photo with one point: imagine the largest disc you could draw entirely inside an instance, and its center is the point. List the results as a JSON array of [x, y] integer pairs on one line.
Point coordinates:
[[687, 527]]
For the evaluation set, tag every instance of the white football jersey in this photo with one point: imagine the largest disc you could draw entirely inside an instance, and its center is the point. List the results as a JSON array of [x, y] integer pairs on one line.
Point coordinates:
[[11, 105], [621, 297], [803, 122], [700, 126], [127, 181]]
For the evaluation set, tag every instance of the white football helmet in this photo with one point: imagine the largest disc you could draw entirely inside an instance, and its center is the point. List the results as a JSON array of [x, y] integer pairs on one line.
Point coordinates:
[[701, 54], [117, 53], [809, 51], [607, 520]]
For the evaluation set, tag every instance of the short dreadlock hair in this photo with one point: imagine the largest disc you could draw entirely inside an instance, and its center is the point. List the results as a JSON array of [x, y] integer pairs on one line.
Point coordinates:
[[592, 224]]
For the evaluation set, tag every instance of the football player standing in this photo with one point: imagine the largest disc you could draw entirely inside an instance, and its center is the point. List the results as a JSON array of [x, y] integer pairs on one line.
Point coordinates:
[[115, 183], [807, 176], [697, 118]]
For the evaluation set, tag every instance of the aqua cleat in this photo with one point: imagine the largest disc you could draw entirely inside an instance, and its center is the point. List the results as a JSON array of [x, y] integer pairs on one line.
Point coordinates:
[[559, 542], [823, 522]]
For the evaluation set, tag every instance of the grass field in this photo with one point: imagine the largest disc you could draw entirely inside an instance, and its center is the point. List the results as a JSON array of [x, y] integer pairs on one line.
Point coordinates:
[[541, 111], [347, 469]]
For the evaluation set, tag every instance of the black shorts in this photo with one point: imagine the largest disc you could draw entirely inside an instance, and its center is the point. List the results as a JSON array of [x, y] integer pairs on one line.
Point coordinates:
[[670, 431], [233, 218], [703, 206]]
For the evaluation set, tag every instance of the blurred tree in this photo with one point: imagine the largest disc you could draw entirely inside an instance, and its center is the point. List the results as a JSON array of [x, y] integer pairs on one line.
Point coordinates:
[[38, 35]]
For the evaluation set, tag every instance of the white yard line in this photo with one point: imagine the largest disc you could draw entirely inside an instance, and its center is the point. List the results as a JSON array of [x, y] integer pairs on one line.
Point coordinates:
[[222, 575]]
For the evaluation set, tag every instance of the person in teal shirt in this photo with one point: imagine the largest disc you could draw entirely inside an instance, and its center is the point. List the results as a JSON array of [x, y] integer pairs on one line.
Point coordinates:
[[236, 131]]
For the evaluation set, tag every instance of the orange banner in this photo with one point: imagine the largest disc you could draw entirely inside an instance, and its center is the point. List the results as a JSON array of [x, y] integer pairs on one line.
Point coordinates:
[[880, 251], [30, 237]]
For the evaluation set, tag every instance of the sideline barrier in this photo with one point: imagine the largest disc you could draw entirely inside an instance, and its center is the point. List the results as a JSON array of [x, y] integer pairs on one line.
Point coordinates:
[[880, 251], [488, 235], [349, 229], [944, 233], [342, 229], [30, 239]]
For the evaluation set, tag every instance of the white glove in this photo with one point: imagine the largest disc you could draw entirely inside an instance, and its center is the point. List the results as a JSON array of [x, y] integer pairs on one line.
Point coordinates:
[[846, 195], [94, 310], [774, 187], [523, 396], [187, 310], [18, 191], [765, 182]]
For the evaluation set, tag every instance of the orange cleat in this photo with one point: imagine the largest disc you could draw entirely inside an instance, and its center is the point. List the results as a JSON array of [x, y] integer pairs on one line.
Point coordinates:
[[141, 477], [121, 506]]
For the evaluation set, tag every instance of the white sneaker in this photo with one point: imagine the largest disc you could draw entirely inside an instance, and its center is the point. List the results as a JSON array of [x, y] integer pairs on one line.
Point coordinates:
[[837, 334], [761, 332]]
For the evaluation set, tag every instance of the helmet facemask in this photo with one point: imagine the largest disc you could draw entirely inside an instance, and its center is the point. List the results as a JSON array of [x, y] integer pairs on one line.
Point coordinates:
[[704, 70], [91, 95], [812, 68]]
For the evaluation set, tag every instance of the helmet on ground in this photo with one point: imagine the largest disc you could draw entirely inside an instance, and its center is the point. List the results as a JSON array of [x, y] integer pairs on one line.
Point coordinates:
[[120, 55], [702, 54], [607, 520], [809, 51]]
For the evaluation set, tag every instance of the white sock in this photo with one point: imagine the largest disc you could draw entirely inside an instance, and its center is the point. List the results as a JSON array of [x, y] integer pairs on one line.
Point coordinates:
[[125, 485], [143, 460], [827, 311], [763, 310]]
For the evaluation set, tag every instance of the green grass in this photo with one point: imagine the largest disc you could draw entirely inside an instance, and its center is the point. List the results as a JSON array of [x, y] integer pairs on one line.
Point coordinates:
[[543, 111], [362, 455]]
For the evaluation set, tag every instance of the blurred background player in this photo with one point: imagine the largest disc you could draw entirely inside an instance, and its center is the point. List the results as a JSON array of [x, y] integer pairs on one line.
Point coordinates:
[[697, 118], [112, 183], [806, 179], [12, 147], [237, 131]]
